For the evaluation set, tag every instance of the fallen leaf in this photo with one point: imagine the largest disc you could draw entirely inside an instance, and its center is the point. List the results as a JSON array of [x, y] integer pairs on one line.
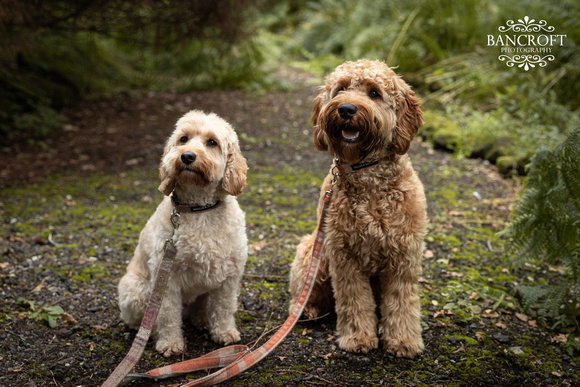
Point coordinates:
[[14, 371], [304, 332], [330, 338], [455, 274], [282, 358], [91, 346], [558, 374], [522, 317], [428, 254], [490, 313], [38, 287], [99, 327], [561, 338], [15, 238], [479, 335], [533, 323], [69, 318], [327, 356], [4, 265], [501, 325], [258, 245]]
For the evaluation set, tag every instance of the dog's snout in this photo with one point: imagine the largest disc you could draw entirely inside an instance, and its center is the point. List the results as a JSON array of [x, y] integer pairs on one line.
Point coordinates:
[[347, 110], [188, 157]]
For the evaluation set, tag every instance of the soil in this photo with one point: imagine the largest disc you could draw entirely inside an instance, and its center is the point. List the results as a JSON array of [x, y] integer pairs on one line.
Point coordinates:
[[73, 204]]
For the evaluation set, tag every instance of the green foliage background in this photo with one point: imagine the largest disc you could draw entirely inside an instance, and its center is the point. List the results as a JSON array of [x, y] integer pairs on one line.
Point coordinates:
[[57, 52]]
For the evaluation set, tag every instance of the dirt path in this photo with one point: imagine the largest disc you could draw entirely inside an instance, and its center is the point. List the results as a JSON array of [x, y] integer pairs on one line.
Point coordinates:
[[73, 206]]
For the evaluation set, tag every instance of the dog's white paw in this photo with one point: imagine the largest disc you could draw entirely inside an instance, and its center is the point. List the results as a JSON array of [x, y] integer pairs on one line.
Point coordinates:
[[227, 337], [170, 347]]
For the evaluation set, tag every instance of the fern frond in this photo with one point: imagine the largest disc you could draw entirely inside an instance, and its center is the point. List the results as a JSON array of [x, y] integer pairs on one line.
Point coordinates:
[[546, 226]]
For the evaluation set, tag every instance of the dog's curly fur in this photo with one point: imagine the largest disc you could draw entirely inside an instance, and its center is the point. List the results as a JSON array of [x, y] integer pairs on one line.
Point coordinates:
[[211, 245], [376, 221]]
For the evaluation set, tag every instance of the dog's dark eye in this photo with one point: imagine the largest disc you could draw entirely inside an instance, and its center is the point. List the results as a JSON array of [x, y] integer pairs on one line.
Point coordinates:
[[183, 139], [212, 142], [374, 94]]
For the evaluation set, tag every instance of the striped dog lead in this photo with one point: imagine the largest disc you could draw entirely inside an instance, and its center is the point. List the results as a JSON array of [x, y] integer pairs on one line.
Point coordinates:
[[235, 358]]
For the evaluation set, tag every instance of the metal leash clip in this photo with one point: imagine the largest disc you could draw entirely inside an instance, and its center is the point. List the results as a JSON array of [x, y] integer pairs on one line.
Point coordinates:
[[335, 175], [175, 224]]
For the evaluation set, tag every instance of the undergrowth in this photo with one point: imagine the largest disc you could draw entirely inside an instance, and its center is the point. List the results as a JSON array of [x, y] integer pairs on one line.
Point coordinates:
[[546, 229]]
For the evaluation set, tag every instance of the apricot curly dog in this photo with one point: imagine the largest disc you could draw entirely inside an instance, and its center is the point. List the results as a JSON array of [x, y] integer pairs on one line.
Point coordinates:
[[202, 170], [366, 116]]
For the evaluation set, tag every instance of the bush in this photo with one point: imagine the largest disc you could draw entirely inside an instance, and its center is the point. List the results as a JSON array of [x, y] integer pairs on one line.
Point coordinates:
[[57, 52], [546, 229], [440, 47]]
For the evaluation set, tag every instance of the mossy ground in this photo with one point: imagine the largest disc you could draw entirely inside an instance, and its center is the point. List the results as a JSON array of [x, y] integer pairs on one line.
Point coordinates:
[[66, 238]]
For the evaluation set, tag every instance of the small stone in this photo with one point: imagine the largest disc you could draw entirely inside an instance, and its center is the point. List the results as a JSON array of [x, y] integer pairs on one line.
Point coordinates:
[[502, 338]]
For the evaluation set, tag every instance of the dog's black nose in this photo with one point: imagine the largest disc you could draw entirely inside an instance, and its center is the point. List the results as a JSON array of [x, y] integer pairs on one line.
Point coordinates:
[[188, 157], [346, 111]]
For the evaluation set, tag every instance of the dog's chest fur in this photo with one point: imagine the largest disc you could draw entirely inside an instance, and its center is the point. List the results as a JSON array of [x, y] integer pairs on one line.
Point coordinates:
[[203, 262], [376, 212]]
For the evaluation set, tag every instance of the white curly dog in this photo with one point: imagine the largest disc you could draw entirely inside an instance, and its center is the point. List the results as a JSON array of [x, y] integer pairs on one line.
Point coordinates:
[[202, 168]]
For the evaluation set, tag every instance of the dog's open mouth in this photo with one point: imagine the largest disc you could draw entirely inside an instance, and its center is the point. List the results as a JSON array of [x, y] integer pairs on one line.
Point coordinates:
[[350, 135]]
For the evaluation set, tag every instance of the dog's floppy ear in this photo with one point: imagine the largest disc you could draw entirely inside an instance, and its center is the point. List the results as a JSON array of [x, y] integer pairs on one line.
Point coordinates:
[[167, 181], [234, 179], [409, 119], [319, 136]]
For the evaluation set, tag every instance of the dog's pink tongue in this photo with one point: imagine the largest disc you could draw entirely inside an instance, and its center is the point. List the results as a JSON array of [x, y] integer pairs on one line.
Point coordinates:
[[350, 134]]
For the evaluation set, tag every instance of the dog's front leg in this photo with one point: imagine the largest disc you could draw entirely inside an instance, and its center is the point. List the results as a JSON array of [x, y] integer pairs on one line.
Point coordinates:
[[222, 304], [168, 324], [400, 327], [355, 307]]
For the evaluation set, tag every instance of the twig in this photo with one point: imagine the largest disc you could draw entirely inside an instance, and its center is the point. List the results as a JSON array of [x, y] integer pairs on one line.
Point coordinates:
[[52, 242], [184, 348], [307, 374], [264, 333], [266, 276], [489, 246], [53, 379], [111, 222], [67, 298], [314, 318]]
